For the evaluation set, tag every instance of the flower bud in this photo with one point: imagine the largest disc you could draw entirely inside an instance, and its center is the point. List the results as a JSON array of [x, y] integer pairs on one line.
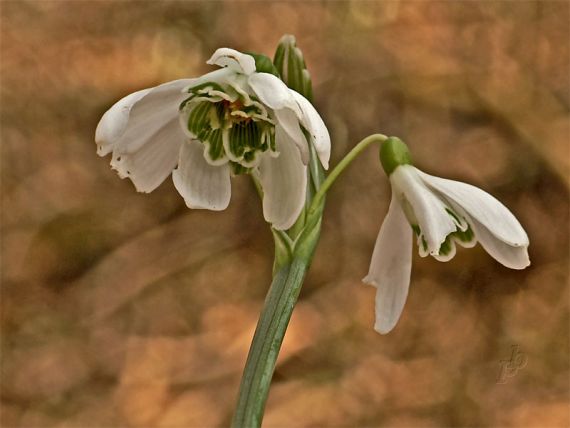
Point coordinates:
[[291, 66]]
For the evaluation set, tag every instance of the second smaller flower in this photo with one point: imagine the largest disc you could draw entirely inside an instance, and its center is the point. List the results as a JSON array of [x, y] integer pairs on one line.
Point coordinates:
[[442, 213]]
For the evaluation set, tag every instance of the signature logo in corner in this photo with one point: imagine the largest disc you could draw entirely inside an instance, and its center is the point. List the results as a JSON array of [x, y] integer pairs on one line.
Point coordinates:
[[510, 367]]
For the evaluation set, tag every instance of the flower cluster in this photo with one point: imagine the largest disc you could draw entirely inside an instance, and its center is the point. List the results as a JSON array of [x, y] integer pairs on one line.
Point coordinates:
[[243, 119], [238, 119]]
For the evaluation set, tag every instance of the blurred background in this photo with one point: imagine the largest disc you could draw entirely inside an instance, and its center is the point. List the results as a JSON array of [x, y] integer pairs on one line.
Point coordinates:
[[129, 310]]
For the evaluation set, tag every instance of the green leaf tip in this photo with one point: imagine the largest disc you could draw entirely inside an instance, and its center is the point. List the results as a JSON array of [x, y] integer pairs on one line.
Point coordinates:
[[394, 153], [263, 64]]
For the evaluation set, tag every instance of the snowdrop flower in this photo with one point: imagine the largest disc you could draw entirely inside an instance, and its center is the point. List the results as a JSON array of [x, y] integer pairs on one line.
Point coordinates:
[[234, 120], [442, 213]]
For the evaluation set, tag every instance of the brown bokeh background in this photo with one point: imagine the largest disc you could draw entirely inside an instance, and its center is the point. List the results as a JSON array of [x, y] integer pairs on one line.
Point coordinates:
[[129, 310]]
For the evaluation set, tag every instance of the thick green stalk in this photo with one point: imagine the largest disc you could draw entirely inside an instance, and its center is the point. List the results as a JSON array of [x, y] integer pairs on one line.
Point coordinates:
[[292, 263], [267, 340]]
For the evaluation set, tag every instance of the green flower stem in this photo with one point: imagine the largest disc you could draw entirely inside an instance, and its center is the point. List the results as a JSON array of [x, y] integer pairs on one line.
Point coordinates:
[[266, 344], [292, 260], [341, 166]]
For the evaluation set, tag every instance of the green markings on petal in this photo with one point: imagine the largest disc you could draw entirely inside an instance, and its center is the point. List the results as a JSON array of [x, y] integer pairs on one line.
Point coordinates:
[[208, 91], [447, 250], [421, 240], [212, 139], [205, 86], [452, 214], [272, 144], [244, 136], [446, 247], [199, 117], [233, 126], [416, 229], [219, 116], [465, 238], [254, 137], [246, 140], [463, 235], [393, 153], [237, 138], [458, 220]]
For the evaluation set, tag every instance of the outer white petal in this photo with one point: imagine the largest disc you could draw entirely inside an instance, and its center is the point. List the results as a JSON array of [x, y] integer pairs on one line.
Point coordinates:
[[284, 182], [482, 207], [114, 122], [434, 221], [514, 257], [391, 267], [220, 76], [235, 60], [151, 114], [313, 123], [288, 120], [201, 185], [149, 166], [273, 92]]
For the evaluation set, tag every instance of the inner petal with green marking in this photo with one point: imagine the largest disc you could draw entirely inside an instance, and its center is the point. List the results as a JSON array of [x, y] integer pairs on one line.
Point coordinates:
[[233, 125], [463, 235]]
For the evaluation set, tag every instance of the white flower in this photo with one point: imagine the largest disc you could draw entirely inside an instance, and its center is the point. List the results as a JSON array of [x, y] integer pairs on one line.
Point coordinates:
[[442, 213], [230, 121]]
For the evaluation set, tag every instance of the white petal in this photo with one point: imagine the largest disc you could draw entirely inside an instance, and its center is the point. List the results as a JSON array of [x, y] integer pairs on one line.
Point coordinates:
[[482, 207], [151, 114], [114, 122], [201, 185], [239, 83], [146, 151], [220, 76], [284, 182], [514, 257], [235, 60], [391, 267], [273, 92], [316, 128], [288, 120], [149, 166], [451, 254], [434, 221]]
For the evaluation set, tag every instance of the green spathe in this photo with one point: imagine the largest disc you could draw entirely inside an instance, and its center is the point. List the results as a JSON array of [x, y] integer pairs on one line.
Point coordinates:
[[263, 64], [394, 153], [290, 63]]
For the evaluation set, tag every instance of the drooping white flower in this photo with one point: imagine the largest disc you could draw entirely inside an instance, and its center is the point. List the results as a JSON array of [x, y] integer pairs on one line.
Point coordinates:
[[442, 213], [230, 121]]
